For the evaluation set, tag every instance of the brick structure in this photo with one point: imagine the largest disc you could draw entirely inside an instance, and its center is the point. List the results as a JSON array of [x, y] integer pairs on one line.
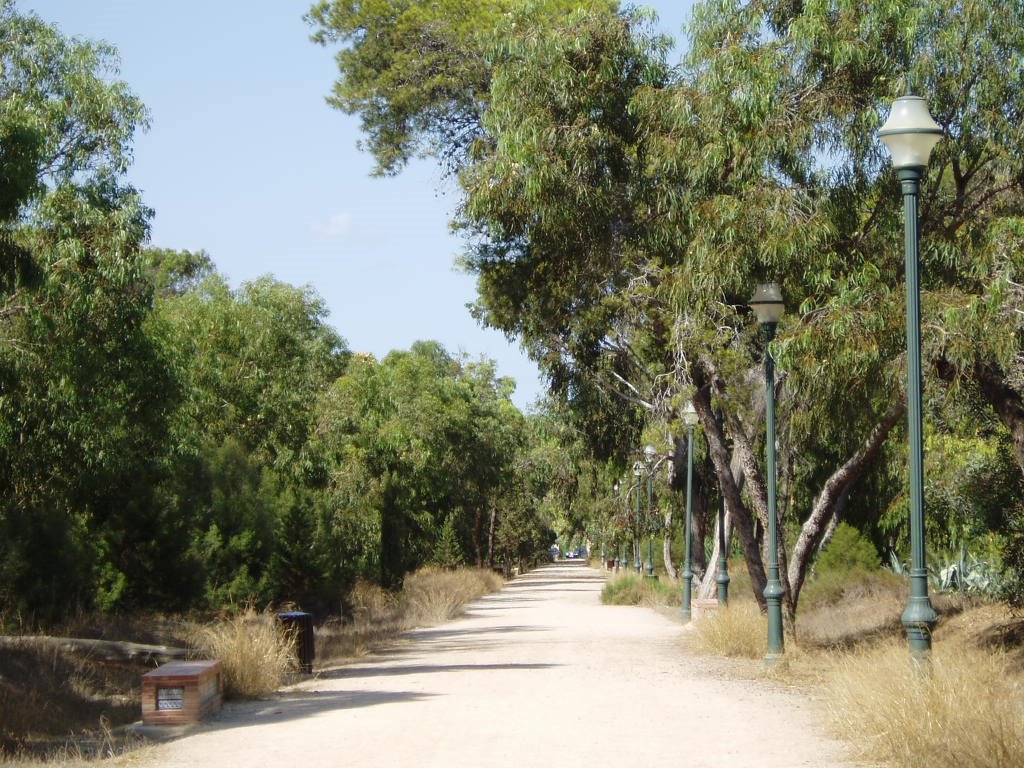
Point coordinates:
[[704, 607], [181, 692]]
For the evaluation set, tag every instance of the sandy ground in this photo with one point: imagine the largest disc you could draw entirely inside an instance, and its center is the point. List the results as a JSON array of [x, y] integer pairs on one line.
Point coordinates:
[[536, 675]]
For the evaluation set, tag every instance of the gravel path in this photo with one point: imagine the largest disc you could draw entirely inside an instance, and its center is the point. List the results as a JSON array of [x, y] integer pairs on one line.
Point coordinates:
[[537, 674]]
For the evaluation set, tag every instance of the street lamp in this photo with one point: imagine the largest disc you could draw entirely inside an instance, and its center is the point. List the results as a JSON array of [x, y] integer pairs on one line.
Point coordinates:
[[638, 471], [768, 306], [910, 134], [722, 579], [650, 453], [690, 420]]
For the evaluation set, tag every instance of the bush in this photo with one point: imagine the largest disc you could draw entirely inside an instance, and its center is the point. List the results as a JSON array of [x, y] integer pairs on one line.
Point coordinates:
[[254, 650], [637, 590], [849, 550], [962, 710]]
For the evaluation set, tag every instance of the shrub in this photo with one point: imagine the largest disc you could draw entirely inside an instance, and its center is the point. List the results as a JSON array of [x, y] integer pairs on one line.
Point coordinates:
[[849, 550], [629, 589], [255, 652], [736, 630], [961, 710]]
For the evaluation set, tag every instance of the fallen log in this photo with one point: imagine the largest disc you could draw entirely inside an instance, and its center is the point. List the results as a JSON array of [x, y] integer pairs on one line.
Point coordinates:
[[109, 650]]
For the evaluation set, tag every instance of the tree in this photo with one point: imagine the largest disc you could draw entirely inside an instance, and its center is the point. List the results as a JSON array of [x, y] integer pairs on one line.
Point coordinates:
[[620, 212], [84, 391], [411, 444]]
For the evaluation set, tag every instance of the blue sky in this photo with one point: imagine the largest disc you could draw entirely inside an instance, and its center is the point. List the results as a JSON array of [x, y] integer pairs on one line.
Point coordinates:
[[245, 160]]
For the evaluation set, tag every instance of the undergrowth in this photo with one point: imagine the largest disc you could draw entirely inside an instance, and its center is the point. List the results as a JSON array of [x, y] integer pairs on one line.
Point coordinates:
[[962, 709]]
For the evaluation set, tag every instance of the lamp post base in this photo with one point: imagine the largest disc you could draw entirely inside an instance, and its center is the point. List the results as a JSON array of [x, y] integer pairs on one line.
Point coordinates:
[[918, 620], [773, 660], [723, 588], [687, 612]]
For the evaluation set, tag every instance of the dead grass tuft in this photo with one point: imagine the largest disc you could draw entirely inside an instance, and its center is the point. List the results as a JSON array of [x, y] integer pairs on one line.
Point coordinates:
[[965, 710], [738, 630], [254, 650], [433, 595]]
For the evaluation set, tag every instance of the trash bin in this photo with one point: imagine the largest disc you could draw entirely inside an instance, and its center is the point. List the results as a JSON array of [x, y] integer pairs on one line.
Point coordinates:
[[300, 626]]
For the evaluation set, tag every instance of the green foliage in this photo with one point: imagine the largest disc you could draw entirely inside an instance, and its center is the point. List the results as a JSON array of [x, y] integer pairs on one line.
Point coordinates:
[[848, 551], [418, 74], [638, 590], [619, 212], [448, 553]]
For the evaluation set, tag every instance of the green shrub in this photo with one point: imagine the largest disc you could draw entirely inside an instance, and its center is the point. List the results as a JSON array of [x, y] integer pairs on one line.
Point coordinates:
[[849, 550], [637, 590]]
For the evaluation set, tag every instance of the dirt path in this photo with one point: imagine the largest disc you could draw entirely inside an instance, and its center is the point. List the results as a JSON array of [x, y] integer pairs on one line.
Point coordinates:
[[538, 674]]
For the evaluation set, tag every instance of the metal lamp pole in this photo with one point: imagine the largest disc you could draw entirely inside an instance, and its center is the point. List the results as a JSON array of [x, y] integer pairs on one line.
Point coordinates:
[[638, 473], [767, 304], [650, 453], [722, 579], [910, 134], [690, 420]]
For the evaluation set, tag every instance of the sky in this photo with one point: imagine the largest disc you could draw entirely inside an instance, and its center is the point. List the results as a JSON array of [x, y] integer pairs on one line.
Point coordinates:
[[245, 160]]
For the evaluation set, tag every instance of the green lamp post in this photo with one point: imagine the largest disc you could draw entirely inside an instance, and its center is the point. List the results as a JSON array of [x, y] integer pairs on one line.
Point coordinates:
[[650, 454], [690, 420], [638, 471], [910, 134], [769, 308], [722, 579]]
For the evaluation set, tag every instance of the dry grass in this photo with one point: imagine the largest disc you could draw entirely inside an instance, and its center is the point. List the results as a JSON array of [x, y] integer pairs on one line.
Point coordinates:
[[866, 606], [255, 652], [433, 595], [738, 631], [430, 596], [965, 710]]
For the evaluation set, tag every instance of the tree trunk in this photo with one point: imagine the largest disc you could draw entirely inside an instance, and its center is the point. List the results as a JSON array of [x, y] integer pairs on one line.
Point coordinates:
[[758, 494], [828, 500], [478, 531], [699, 557], [739, 515], [666, 539], [708, 585], [490, 536]]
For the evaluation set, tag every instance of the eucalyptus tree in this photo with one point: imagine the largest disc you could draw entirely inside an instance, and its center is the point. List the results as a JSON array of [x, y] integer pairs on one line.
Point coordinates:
[[408, 444], [253, 363], [619, 213], [84, 390]]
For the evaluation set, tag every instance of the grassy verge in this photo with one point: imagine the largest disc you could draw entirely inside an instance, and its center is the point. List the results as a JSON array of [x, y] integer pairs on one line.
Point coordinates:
[[966, 708], [64, 707]]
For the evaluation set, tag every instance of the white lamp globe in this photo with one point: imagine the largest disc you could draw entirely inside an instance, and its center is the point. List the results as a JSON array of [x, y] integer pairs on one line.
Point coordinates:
[[910, 133]]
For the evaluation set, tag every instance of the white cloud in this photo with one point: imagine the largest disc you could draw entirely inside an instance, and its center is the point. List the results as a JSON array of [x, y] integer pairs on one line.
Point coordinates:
[[338, 225]]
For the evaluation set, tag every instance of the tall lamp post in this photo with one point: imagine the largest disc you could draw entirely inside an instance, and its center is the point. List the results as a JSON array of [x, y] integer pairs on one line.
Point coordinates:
[[690, 420], [638, 471], [650, 454], [768, 306], [614, 542], [910, 134], [722, 579]]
